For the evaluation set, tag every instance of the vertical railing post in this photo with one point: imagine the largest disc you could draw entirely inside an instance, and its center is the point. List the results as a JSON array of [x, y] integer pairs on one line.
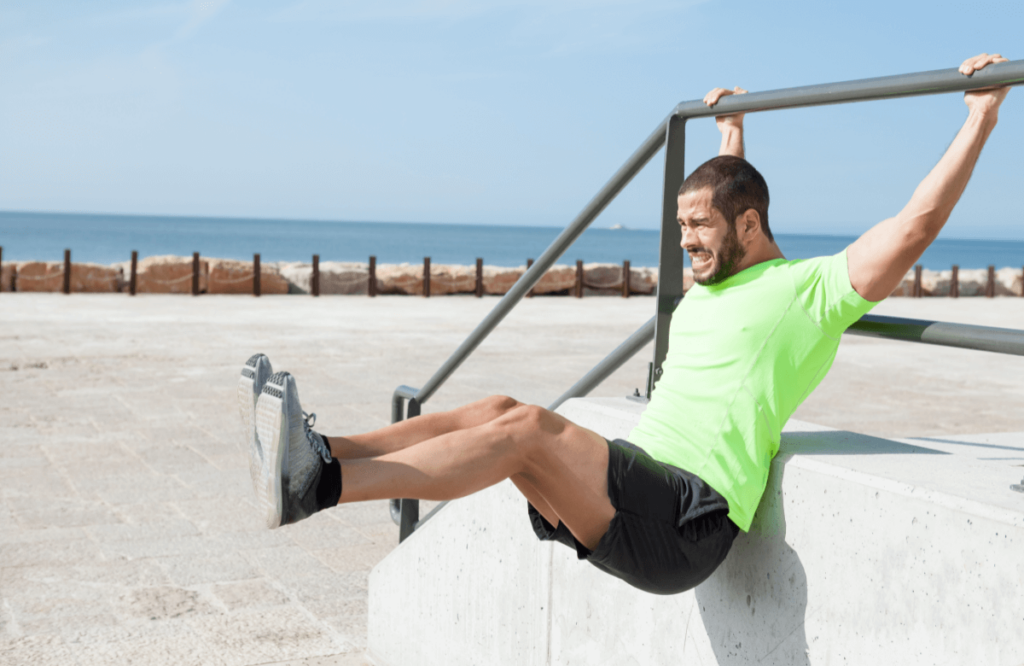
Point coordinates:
[[954, 283], [256, 287], [579, 278], [990, 286], [371, 285], [133, 277], [314, 282], [670, 254], [410, 507], [195, 273], [529, 262], [67, 272], [625, 278], [479, 277], [426, 277], [916, 291]]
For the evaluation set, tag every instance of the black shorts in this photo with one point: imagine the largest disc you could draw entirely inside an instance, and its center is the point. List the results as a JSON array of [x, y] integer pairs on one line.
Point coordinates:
[[670, 530]]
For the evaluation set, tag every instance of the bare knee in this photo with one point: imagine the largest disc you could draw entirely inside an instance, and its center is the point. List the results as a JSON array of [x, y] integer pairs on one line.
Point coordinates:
[[498, 405], [528, 429]]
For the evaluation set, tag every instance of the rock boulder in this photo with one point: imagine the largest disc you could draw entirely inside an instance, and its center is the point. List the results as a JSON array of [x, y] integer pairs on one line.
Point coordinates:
[[230, 276], [168, 274]]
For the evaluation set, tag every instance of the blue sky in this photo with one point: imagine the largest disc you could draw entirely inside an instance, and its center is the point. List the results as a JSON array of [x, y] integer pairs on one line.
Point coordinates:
[[504, 112]]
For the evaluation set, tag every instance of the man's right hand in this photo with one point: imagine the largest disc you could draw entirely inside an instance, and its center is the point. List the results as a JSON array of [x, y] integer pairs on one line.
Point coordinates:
[[983, 101], [731, 126]]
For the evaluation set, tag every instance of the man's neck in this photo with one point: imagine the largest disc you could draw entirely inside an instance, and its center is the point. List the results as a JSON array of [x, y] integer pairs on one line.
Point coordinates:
[[758, 255]]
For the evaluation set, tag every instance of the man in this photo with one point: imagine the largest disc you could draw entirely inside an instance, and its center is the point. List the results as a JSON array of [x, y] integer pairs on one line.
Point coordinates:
[[755, 336]]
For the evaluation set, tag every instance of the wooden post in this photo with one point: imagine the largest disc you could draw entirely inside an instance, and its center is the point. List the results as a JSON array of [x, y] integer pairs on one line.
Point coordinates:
[[315, 281], [133, 278], [426, 277], [1021, 283], [371, 286], [256, 274], [479, 277], [195, 273], [529, 262], [954, 283], [990, 288], [917, 282], [2, 263], [579, 278], [67, 271], [625, 278]]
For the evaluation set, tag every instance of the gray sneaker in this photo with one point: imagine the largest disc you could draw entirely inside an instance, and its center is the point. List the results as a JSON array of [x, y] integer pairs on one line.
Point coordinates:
[[295, 454], [255, 373]]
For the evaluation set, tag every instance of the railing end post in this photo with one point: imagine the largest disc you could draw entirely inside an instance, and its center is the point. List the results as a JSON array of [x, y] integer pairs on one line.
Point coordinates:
[[66, 288]]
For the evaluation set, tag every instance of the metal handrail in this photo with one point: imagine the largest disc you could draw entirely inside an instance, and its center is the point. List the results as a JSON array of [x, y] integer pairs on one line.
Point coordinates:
[[671, 131], [945, 334]]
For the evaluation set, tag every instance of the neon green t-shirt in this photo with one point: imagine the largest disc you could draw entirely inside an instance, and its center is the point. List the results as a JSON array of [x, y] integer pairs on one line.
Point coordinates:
[[742, 356]]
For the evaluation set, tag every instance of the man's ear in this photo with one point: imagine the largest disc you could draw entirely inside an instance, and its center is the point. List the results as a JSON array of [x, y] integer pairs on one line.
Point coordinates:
[[748, 224]]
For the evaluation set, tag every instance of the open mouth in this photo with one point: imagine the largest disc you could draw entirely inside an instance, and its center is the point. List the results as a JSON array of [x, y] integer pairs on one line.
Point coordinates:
[[701, 260]]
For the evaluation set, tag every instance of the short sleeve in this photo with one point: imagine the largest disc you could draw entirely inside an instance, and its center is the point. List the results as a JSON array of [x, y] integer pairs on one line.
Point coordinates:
[[824, 290]]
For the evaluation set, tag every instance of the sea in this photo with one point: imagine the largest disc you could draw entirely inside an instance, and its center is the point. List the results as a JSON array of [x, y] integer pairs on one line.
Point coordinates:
[[106, 239]]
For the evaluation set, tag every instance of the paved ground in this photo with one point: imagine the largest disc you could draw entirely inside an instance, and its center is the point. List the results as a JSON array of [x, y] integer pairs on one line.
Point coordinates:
[[127, 528]]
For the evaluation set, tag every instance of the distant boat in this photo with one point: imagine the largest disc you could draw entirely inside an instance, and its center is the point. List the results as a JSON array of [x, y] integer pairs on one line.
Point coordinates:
[[616, 227]]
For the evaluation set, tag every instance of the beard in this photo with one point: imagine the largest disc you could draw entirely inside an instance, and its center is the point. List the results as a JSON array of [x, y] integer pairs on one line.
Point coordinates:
[[723, 260]]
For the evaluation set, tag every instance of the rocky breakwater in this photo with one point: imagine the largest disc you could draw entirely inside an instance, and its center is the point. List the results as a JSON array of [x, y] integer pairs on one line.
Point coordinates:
[[170, 274]]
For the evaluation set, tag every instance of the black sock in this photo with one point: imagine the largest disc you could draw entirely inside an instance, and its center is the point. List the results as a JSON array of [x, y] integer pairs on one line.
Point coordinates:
[[328, 490]]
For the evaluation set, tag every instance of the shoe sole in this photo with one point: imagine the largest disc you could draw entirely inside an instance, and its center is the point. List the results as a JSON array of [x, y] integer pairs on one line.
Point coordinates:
[[273, 430], [249, 390]]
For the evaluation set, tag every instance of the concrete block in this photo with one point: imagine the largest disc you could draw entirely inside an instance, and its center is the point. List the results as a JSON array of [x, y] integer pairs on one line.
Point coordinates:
[[863, 550], [471, 589]]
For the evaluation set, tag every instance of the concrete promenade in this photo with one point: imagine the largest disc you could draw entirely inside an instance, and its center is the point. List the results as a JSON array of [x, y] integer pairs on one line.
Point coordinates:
[[127, 527]]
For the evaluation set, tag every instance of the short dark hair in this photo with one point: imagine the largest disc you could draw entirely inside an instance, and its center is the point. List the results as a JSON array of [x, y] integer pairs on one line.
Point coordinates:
[[736, 186]]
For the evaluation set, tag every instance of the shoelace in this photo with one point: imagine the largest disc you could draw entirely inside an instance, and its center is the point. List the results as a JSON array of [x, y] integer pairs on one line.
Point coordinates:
[[316, 442]]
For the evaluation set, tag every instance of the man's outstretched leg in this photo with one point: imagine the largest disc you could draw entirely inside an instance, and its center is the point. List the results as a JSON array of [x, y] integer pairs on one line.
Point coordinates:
[[561, 468], [657, 527]]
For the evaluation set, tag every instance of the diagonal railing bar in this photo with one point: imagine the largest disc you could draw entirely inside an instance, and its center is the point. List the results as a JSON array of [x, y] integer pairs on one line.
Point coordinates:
[[609, 364], [622, 177]]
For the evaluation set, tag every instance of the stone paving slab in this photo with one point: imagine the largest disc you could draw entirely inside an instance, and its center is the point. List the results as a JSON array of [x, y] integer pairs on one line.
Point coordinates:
[[128, 531]]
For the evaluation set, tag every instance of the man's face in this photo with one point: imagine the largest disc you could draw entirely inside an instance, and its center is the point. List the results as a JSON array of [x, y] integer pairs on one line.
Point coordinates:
[[712, 243]]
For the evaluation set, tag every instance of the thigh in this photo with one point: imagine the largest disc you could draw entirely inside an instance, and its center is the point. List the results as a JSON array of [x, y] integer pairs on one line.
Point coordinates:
[[567, 465]]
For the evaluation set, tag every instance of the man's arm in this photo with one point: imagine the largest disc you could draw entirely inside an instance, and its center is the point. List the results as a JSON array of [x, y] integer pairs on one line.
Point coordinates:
[[731, 127], [880, 258]]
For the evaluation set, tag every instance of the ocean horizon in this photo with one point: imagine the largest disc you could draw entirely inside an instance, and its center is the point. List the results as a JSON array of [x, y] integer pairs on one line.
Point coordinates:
[[107, 239]]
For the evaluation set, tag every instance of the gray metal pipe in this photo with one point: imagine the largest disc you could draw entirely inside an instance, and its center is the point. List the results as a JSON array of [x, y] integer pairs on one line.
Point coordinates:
[[609, 364], [568, 236], [863, 90], [965, 336]]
